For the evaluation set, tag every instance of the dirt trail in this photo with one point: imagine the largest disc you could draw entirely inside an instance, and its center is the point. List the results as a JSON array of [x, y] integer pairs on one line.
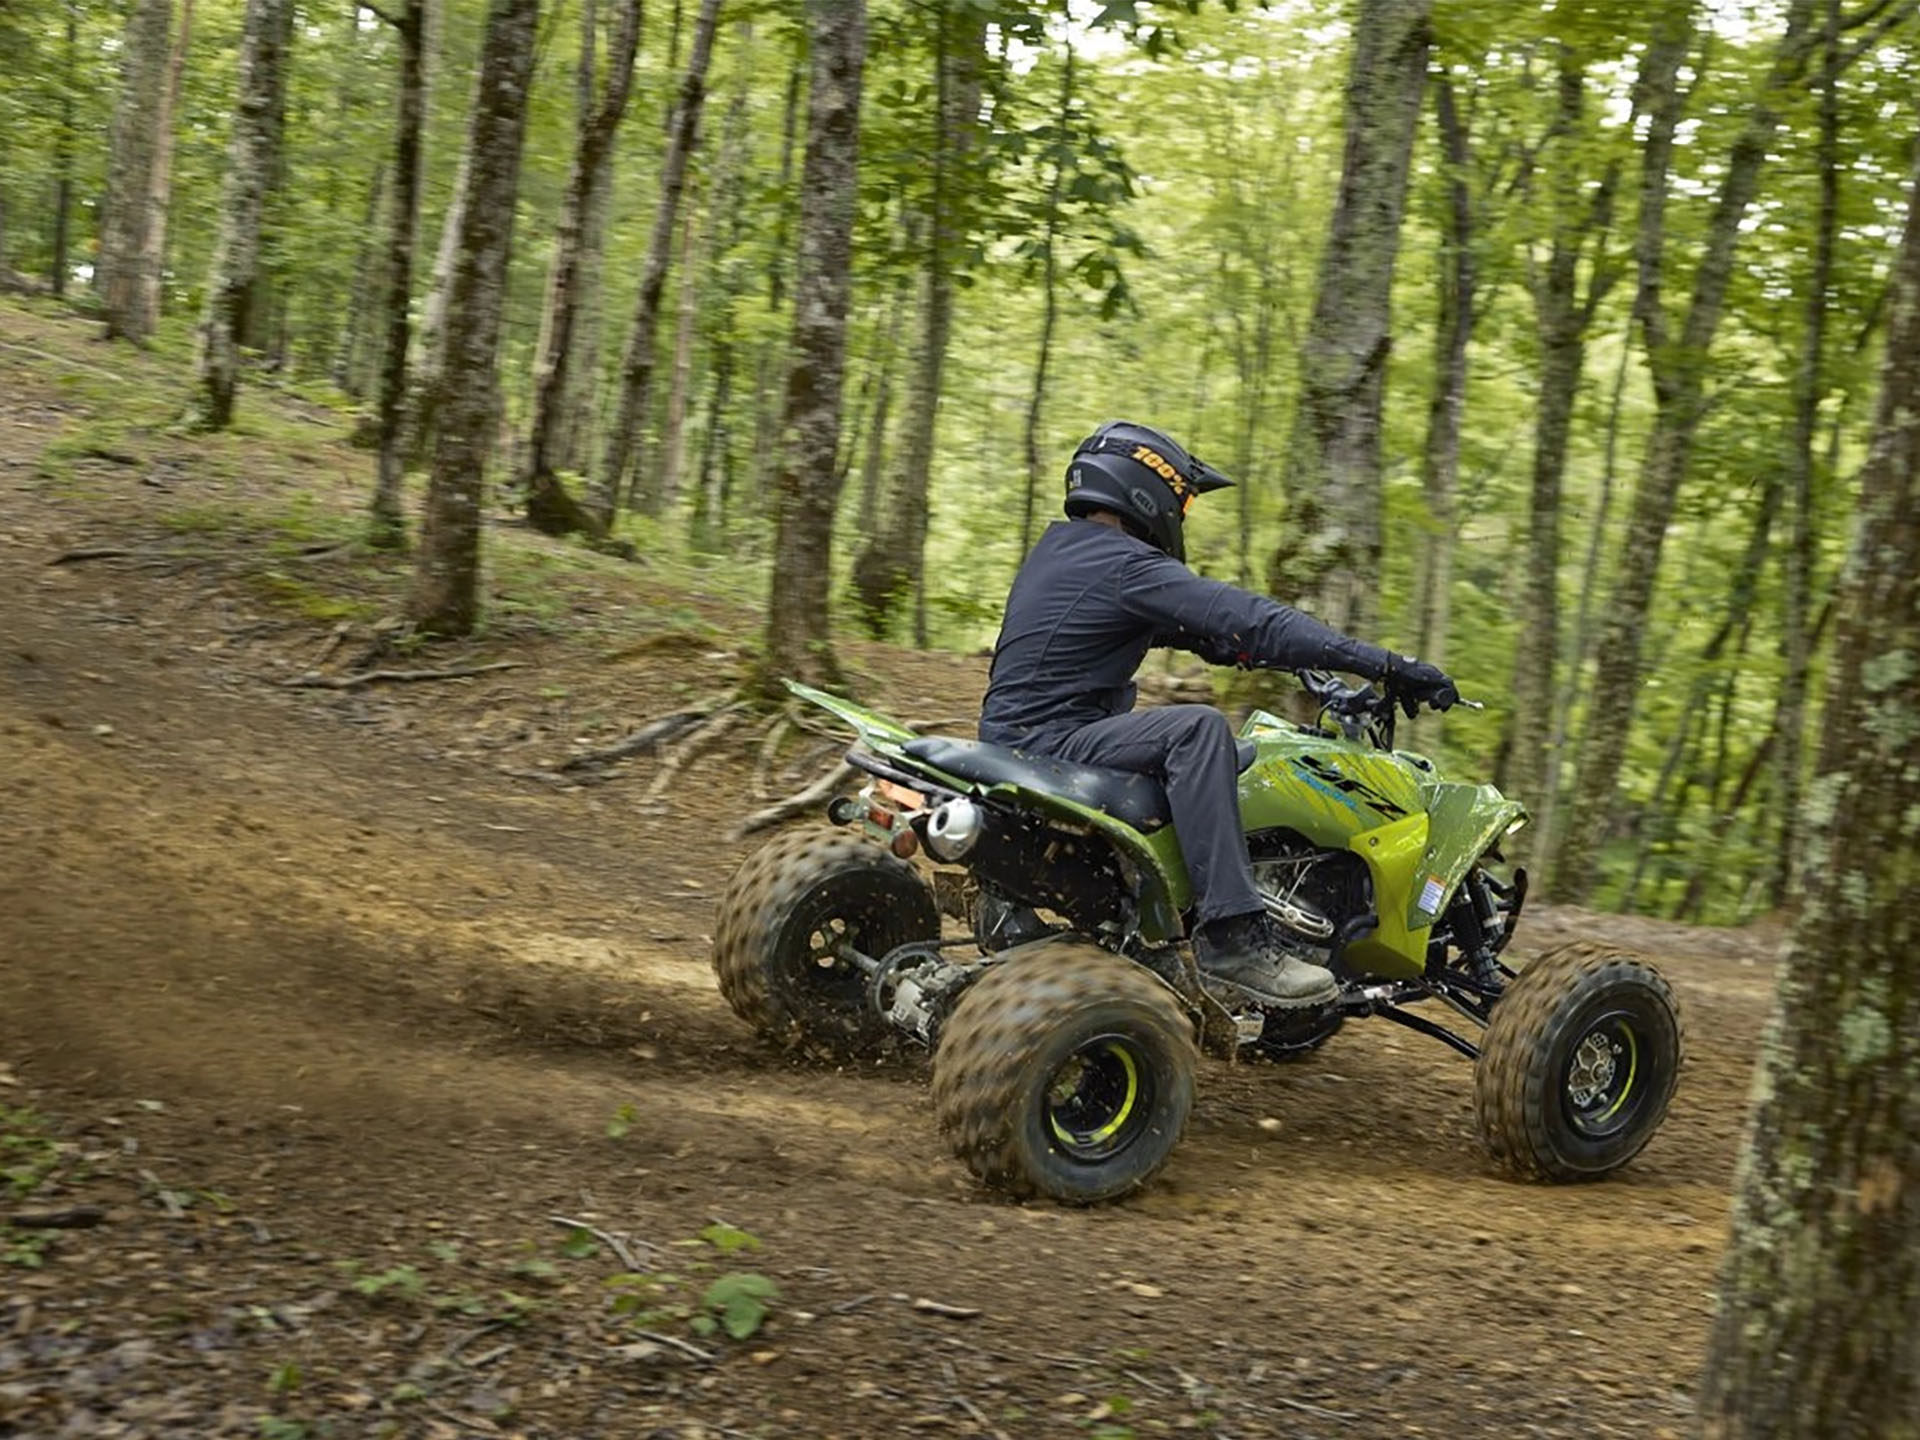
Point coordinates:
[[384, 1003]]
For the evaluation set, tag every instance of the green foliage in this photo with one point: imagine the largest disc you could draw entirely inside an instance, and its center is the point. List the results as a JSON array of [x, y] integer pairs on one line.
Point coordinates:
[[737, 1300], [621, 1121]]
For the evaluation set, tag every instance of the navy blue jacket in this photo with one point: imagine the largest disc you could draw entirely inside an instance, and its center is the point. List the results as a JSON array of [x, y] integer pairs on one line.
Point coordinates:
[[1088, 604]]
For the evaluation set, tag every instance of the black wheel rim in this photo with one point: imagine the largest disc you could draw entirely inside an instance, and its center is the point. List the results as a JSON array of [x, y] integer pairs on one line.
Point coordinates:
[[846, 916], [1099, 1098], [1608, 1076]]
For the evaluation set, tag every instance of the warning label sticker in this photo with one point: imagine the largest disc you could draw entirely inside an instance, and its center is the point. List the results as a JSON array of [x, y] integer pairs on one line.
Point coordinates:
[[1431, 894]]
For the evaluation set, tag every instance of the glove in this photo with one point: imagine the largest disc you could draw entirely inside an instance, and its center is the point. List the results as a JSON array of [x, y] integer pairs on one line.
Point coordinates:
[[1415, 683]]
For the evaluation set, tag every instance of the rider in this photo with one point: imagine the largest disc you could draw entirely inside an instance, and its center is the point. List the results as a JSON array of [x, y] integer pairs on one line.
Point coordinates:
[[1093, 596]]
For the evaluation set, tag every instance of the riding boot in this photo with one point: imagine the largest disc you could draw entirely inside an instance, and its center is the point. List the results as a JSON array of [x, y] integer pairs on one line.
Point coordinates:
[[1245, 951]]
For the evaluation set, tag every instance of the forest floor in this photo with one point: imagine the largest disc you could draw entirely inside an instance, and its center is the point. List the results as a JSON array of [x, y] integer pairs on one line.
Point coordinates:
[[322, 1004]]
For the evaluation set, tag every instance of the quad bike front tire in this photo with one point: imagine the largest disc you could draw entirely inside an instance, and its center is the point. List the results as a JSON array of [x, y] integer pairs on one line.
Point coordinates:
[[1065, 1071], [786, 917], [1577, 1065]]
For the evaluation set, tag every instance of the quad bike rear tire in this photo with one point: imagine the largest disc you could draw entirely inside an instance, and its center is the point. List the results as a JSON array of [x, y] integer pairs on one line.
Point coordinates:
[[783, 913], [1065, 1071], [1577, 1065]]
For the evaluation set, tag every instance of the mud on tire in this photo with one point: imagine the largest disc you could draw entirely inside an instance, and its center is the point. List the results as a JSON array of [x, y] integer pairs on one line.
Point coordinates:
[[1065, 1071], [1578, 1065], [781, 915]]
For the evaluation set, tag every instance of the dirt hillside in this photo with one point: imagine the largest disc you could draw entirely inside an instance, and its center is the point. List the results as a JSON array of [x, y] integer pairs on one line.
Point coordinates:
[[318, 1006]]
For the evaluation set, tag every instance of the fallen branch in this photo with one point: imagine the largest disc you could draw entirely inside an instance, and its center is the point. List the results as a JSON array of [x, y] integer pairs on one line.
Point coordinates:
[[312, 681], [794, 804], [92, 552], [950, 1312], [683, 1346], [75, 1217], [847, 1307], [1313, 1410], [618, 1247], [649, 736]]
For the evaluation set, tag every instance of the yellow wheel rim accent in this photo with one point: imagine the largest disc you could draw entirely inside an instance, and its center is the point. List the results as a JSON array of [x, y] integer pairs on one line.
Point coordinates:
[[1127, 1102], [1633, 1066]]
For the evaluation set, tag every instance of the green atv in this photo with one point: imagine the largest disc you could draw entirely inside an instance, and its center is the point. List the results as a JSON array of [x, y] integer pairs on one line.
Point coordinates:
[[1065, 1023]]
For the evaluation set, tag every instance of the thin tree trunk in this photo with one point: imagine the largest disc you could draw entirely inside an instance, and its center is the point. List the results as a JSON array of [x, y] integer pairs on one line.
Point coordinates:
[[153, 243], [63, 157], [891, 566], [636, 370], [423, 405], [1579, 643], [1820, 1294], [345, 368], [446, 591], [770, 365], [130, 159], [724, 279], [1049, 303], [673, 438], [387, 523], [1807, 393], [799, 639], [1453, 330], [236, 256], [1679, 363], [557, 391], [1330, 561]]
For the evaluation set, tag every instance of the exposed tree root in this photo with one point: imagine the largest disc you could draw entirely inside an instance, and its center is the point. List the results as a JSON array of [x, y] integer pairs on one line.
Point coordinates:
[[769, 750], [650, 736], [796, 804], [375, 677], [710, 730]]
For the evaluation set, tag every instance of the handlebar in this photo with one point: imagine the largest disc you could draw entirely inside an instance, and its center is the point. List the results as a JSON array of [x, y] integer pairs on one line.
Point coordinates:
[[1361, 711]]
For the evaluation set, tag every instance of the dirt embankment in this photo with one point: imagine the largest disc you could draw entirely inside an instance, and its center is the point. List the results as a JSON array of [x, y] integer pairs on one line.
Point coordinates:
[[332, 1010]]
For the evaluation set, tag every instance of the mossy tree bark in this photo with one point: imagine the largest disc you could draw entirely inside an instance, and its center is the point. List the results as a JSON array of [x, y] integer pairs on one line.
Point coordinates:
[[1330, 560], [130, 160], [798, 641], [243, 194], [387, 524], [575, 260], [1820, 1297], [446, 585], [1678, 360], [636, 369]]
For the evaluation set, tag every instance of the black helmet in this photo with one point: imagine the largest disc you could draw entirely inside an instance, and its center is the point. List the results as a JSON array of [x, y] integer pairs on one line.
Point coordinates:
[[1142, 476]]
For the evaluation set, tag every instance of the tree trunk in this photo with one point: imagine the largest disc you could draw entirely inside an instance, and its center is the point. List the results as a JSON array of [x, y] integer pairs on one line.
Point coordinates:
[[130, 161], [799, 639], [387, 523], [673, 436], [1330, 560], [557, 390], [1807, 393], [891, 566], [423, 417], [1820, 1296], [1562, 318], [1049, 301], [1679, 365], [63, 158], [636, 370], [1579, 643], [153, 243], [1453, 330], [345, 369], [236, 255], [446, 589]]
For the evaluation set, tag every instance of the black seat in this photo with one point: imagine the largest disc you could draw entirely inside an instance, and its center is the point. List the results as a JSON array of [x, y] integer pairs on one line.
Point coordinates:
[[1140, 800]]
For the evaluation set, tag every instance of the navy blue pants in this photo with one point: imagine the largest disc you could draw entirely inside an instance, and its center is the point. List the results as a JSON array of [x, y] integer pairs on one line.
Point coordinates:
[[1190, 750]]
